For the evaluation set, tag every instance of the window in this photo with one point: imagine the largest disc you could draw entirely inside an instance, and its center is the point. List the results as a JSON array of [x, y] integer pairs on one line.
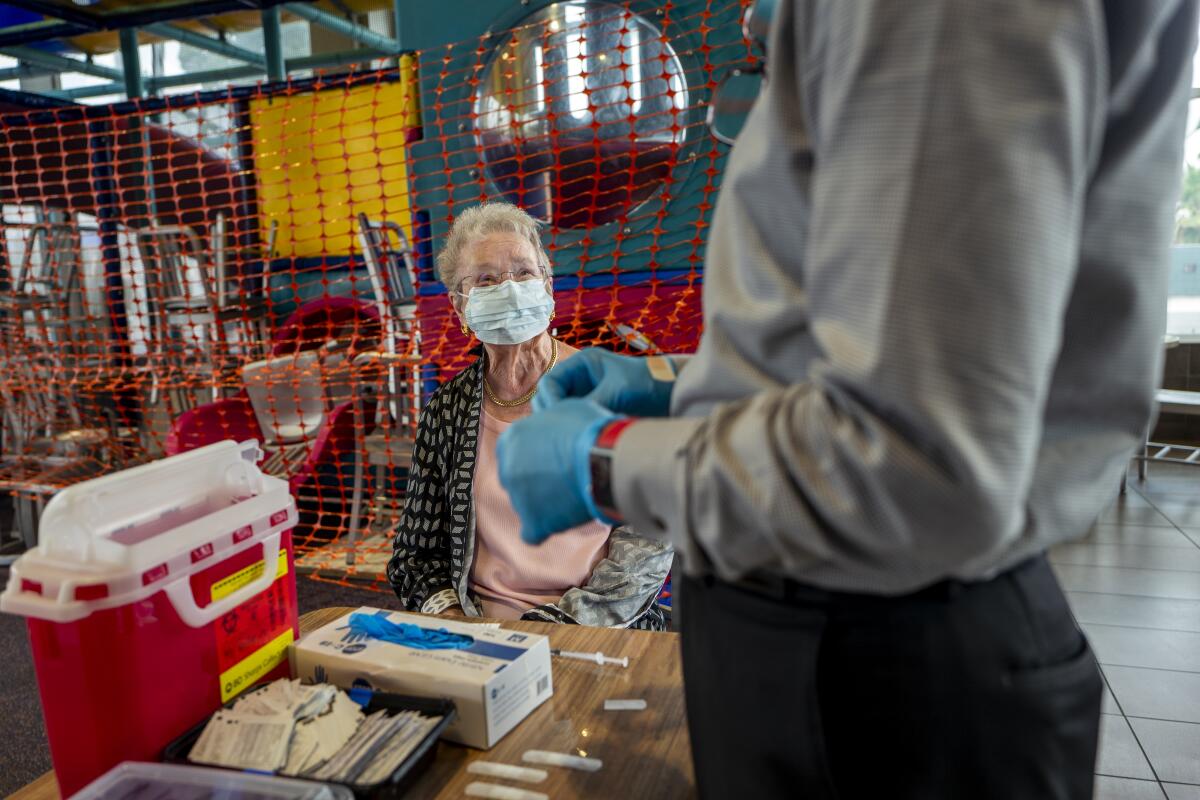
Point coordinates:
[[579, 113], [1183, 291]]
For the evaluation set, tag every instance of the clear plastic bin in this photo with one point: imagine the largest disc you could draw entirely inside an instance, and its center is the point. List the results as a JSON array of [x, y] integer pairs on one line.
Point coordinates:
[[135, 781]]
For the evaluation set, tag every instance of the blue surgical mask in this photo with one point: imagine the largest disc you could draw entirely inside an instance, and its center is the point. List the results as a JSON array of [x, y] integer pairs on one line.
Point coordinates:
[[510, 312]]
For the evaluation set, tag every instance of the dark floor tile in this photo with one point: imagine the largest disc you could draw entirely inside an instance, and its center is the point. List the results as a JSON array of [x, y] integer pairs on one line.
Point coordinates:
[[1156, 693], [1121, 580], [313, 594], [24, 754], [1137, 612], [1119, 754], [1183, 559], [1173, 748], [1140, 647]]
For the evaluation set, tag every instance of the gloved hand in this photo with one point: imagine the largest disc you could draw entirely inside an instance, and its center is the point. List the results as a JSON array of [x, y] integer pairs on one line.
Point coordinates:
[[544, 466], [623, 384]]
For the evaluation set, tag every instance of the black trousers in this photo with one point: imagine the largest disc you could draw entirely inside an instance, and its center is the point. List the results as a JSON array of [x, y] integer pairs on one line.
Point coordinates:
[[972, 691]]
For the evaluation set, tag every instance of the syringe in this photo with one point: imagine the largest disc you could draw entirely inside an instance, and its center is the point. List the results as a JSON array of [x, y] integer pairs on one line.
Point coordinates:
[[596, 657]]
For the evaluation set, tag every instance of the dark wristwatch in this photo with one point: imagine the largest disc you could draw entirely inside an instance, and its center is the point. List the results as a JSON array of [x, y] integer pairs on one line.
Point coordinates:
[[600, 463]]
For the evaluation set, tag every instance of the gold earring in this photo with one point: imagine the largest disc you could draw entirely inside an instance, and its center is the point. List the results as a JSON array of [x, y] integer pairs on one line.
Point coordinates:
[[552, 313], [464, 328]]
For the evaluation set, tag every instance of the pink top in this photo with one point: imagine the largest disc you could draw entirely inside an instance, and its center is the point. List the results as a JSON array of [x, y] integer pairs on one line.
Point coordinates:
[[510, 576]]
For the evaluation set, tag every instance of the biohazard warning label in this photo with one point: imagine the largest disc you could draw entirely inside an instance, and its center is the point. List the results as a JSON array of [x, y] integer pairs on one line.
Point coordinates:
[[246, 672], [253, 638]]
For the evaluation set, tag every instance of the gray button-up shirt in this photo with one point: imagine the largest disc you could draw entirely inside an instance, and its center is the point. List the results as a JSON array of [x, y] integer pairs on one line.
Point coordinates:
[[934, 295]]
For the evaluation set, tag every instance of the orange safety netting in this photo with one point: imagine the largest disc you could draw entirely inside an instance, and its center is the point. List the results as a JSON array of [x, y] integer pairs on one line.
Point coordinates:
[[258, 263]]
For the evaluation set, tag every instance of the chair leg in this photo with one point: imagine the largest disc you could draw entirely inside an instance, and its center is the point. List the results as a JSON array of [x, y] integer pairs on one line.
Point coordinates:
[[355, 510], [356, 496], [381, 475], [26, 508]]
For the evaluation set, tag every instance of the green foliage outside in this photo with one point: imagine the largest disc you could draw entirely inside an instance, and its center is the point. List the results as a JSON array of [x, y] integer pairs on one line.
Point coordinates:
[[1187, 217]]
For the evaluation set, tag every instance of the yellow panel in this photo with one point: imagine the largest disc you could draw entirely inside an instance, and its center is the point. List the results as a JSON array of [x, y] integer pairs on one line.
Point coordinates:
[[333, 189], [359, 114], [326, 121], [358, 100], [304, 197], [324, 157], [363, 163], [360, 195], [391, 120], [361, 144], [391, 156], [337, 228], [369, 177], [371, 207], [272, 191], [296, 173], [307, 230], [390, 138]]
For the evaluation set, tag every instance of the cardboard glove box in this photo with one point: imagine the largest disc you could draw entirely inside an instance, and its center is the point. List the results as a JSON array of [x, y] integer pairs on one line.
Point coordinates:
[[495, 683]]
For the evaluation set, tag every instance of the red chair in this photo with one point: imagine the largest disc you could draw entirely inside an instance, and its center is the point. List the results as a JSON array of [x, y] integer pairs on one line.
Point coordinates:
[[326, 319], [293, 403]]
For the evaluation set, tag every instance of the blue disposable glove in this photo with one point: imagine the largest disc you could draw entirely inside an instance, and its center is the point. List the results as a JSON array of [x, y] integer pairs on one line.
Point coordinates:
[[622, 384], [544, 466], [373, 626]]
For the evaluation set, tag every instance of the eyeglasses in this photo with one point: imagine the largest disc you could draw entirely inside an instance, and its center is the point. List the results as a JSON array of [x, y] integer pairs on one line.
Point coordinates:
[[732, 100], [739, 87], [496, 278]]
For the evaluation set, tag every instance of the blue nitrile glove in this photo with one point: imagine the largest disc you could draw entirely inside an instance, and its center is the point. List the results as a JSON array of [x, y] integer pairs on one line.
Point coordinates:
[[544, 467], [622, 384], [373, 626]]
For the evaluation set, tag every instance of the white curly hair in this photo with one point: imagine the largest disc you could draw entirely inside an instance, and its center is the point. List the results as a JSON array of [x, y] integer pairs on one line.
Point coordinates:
[[478, 222]]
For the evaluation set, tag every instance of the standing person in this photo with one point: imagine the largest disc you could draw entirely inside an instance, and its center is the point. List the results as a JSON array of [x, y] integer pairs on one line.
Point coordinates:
[[934, 301]]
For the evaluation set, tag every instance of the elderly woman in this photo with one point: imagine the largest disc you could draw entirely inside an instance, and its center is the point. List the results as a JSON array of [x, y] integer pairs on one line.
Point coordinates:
[[458, 547]]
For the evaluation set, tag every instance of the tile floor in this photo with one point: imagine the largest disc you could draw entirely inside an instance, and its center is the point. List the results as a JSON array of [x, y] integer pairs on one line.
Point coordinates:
[[1134, 584]]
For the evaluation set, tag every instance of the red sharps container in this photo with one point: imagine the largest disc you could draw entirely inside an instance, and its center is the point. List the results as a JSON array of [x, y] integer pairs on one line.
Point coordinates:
[[154, 595]]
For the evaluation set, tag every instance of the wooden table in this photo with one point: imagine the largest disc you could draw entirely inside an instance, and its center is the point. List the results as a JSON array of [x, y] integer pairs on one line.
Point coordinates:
[[645, 753]]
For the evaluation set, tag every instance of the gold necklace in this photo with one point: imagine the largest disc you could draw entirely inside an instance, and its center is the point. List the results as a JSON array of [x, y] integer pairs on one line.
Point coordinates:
[[525, 398]]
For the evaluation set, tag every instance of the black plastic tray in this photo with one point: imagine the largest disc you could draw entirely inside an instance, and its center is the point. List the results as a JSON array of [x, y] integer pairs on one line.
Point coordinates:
[[405, 775]]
